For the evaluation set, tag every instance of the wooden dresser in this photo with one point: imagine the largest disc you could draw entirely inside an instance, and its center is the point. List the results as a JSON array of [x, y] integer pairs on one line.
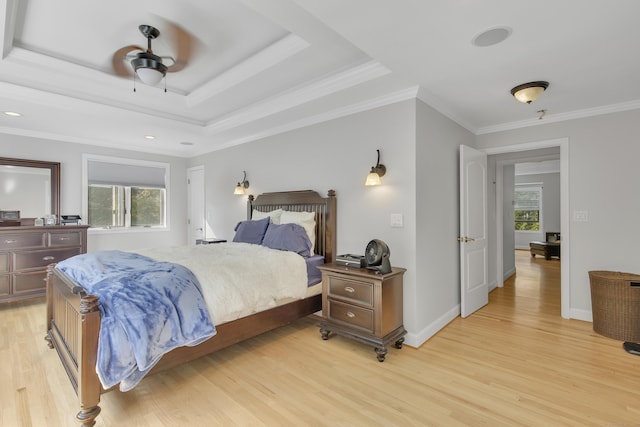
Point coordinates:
[[359, 303], [25, 252]]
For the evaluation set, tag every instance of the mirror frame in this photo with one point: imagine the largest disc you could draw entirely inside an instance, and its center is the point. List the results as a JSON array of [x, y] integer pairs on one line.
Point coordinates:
[[54, 168]]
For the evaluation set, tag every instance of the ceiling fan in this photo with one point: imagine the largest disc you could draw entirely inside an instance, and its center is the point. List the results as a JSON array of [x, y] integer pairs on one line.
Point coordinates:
[[149, 67]]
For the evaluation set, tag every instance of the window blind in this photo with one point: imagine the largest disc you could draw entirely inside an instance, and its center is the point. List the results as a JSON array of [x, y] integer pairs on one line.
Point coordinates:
[[108, 173]]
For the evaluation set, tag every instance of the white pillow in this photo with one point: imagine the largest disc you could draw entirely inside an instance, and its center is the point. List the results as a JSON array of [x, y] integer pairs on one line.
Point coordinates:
[[305, 219], [274, 215]]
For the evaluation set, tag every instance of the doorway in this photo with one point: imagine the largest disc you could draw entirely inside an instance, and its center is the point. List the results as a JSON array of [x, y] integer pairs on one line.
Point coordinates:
[[497, 227]]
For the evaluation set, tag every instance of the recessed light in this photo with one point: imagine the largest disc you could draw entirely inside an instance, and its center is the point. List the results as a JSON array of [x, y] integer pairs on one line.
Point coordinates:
[[149, 137], [12, 114], [491, 36], [186, 143]]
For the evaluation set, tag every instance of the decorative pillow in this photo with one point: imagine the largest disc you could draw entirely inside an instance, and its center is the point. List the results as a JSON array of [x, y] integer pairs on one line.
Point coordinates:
[[274, 215], [287, 237], [251, 231], [306, 219]]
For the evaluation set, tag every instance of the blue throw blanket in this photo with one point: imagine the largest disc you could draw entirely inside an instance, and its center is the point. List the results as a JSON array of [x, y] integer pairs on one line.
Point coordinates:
[[148, 308]]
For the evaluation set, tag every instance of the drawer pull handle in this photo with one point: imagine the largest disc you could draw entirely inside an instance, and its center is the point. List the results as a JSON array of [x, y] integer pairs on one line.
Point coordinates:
[[8, 241], [349, 289], [350, 314], [63, 238], [48, 258]]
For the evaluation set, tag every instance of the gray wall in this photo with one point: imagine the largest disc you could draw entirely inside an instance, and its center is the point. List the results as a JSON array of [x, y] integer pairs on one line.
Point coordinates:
[[437, 296], [508, 218], [70, 157], [418, 146], [603, 153], [550, 207]]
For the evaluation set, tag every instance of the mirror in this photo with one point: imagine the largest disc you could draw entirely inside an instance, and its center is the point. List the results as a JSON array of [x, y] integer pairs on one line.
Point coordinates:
[[31, 187]]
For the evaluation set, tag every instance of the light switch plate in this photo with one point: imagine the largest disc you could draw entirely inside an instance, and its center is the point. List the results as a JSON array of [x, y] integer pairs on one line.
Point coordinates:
[[397, 221]]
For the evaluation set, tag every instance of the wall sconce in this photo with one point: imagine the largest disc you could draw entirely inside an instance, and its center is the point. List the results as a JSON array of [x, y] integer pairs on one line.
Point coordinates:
[[376, 172], [529, 92], [242, 185]]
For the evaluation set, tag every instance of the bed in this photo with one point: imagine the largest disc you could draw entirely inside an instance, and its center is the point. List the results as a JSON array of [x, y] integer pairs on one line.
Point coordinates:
[[74, 316]]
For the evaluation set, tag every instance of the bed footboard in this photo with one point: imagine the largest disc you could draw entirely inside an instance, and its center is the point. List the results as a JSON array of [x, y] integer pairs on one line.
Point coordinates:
[[73, 326]]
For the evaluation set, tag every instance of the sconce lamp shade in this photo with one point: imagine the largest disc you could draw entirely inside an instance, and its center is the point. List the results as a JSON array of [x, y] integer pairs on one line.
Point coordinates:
[[376, 173], [373, 178], [241, 186], [529, 92]]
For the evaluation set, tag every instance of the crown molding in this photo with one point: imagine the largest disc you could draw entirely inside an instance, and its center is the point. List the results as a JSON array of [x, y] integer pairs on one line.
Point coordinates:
[[250, 67], [562, 117], [391, 98], [325, 86]]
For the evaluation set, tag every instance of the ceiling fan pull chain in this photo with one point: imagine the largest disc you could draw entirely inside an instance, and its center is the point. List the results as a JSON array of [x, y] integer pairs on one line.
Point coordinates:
[[134, 81], [165, 84]]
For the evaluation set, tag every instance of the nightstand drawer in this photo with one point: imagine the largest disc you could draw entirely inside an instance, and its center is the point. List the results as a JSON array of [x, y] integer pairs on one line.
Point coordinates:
[[361, 292], [354, 316], [34, 259]]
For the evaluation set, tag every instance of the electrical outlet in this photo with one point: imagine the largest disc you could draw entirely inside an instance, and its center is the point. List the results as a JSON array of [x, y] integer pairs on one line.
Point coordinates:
[[581, 216]]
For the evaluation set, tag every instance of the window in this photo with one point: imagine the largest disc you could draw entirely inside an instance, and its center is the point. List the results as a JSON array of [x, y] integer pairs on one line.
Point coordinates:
[[527, 206], [125, 194]]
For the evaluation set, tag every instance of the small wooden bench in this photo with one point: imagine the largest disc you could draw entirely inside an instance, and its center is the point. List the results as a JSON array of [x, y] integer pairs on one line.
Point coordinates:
[[545, 249]]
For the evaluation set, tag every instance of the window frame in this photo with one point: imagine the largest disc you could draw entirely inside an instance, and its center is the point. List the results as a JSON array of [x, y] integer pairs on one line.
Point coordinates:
[[530, 186], [87, 158]]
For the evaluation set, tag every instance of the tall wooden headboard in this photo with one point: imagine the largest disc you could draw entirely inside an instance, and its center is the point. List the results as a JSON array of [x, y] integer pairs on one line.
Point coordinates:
[[304, 201]]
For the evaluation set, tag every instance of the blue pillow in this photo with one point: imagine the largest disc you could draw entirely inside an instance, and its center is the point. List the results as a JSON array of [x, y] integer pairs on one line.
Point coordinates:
[[288, 237], [251, 231]]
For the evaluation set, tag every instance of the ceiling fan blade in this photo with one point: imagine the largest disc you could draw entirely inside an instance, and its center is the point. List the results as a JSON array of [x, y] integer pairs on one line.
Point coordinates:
[[185, 44], [120, 67]]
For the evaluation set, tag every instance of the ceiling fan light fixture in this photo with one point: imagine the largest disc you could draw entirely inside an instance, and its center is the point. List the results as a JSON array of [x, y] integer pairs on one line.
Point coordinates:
[[149, 68], [529, 92]]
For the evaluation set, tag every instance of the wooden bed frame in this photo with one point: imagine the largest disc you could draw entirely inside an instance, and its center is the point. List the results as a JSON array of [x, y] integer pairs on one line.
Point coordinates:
[[73, 316]]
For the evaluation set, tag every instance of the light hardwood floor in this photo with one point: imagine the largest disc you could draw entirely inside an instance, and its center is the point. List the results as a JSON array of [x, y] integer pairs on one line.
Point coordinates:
[[516, 362]]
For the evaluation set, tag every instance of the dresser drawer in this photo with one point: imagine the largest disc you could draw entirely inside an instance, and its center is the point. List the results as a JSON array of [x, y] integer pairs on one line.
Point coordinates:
[[73, 238], [29, 282], [351, 315], [4, 284], [35, 259], [4, 262], [357, 291], [24, 240]]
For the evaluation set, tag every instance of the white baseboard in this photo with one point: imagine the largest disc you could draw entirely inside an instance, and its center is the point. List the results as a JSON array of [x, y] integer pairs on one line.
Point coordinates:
[[509, 273], [416, 340], [585, 315]]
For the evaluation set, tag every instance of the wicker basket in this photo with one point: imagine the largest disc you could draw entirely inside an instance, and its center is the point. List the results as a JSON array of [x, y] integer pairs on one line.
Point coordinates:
[[615, 302]]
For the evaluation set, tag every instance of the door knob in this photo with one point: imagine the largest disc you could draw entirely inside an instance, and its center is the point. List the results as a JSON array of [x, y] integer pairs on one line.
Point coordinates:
[[466, 239]]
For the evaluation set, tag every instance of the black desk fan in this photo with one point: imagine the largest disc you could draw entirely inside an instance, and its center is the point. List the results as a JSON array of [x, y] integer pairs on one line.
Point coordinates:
[[376, 256]]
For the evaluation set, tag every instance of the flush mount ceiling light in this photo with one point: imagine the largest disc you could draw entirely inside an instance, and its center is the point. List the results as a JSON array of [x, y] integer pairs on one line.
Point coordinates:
[[12, 114], [529, 92]]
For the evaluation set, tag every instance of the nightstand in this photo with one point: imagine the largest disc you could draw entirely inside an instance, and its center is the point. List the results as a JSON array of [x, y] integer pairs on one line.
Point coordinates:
[[364, 305]]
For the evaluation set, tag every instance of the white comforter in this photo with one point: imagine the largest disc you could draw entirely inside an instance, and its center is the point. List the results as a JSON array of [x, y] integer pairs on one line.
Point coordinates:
[[239, 279]]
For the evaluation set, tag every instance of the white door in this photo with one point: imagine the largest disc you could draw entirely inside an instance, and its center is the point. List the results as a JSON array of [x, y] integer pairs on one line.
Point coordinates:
[[474, 287], [195, 202]]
